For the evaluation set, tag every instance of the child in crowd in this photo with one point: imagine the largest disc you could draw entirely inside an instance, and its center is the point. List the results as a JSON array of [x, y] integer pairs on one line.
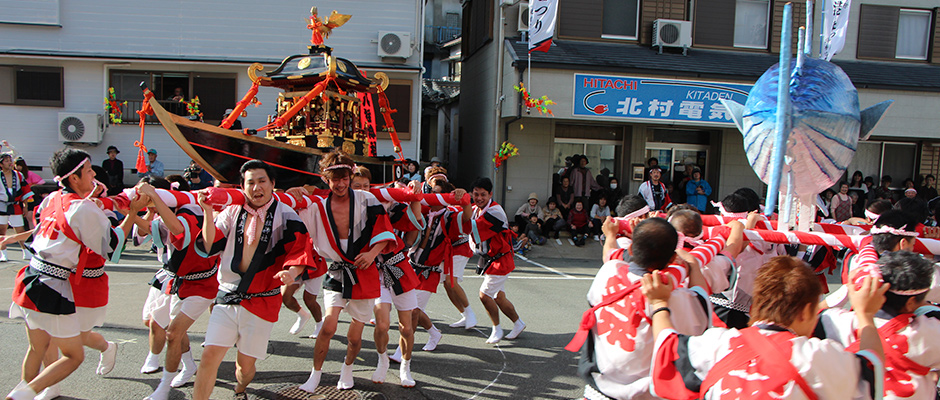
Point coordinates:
[[579, 222], [599, 212]]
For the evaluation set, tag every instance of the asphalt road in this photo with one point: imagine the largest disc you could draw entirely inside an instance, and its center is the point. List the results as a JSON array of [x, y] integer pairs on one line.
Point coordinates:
[[548, 294]]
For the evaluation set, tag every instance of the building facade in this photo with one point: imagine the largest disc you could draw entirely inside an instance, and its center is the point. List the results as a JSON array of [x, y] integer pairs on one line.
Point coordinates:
[[59, 58], [621, 100]]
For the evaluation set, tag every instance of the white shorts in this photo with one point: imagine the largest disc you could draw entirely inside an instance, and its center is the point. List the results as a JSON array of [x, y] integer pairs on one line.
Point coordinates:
[[460, 264], [402, 302], [359, 309], [157, 307], [89, 318], [15, 221], [313, 286], [57, 326], [423, 297], [192, 306], [231, 325], [493, 284]]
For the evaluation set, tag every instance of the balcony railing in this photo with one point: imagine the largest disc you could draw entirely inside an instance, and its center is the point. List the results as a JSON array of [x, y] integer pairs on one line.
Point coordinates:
[[129, 111], [440, 34]]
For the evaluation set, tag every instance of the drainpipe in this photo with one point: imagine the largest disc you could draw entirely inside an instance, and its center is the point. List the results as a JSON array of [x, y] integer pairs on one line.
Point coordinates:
[[506, 133]]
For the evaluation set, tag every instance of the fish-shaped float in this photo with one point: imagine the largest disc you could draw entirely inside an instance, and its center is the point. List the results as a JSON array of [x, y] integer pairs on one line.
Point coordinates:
[[816, 113]]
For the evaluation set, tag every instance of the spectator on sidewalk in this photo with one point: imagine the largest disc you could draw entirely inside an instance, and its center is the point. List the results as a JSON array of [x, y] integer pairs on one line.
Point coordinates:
[[533, 230], [155, 167], [654, 191], [582, 180], [554, 220], [115, 172], [579, 222], [530, 207], [615, 192], [697, 191], [565, 196], [599, 212]]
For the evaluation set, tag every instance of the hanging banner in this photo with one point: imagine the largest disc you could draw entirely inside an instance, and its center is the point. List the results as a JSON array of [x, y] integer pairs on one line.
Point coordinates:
[[655, 100], [835, 23], [541, 24]]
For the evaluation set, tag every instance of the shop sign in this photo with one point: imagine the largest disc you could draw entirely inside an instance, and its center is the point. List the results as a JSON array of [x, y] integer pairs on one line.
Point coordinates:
[[655, 100]]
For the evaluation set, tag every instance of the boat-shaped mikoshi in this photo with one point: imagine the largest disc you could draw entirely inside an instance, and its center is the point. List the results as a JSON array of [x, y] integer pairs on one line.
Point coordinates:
[[326, 102]]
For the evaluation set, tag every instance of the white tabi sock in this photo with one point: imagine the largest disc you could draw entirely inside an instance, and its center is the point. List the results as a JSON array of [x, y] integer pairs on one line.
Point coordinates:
[[189, 369], [470, 317], [381, 370], [434, 337], [496, 335], [25, 393], [404, 373], [316, 330], [462, 322], [3, 255], [151, 364], [312, 382], [49, 393], [397, 356], [108, 357], [517, 328], [302, 317], [345, 377], [163, 389]]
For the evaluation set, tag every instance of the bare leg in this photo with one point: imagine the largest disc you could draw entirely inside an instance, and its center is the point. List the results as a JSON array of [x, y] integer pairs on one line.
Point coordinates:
[[354, 341], [244, 371], [39, 347], [3, 232], [157, 337], [407, 331], [94, 340], [20, 229], [287, 296], [208, 371], [175, 336], [72, 356], [506, 306], [456, 295], [491, 307], [322, 345], [310, 300], [382, 323]]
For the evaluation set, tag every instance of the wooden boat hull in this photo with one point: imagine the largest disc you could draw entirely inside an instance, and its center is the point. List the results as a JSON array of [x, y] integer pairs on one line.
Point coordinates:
[[221, 152]]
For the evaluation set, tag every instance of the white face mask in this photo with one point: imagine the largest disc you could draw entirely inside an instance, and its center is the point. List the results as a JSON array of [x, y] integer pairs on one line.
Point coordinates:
[[613, 185]]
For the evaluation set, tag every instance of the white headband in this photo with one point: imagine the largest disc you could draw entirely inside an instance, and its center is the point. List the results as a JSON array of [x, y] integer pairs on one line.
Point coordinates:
[[442, 176], [59, 179], [894, 231], [871, 216], [725, 213], [637, 213], [913, 292], [338, 166]]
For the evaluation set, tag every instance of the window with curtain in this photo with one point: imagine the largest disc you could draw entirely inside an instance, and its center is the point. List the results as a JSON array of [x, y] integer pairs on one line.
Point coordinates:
[[620, 19], [913, 34], [750, 23]]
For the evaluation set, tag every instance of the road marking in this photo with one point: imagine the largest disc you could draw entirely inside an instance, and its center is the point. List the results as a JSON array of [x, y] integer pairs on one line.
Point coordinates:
[[538, 264]]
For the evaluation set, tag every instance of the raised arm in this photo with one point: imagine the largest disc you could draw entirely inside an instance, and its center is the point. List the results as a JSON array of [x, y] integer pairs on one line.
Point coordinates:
[[168, 216], [208, 221]]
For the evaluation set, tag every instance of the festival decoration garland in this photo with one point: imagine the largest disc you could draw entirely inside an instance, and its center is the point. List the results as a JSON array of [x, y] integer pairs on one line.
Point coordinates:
[[538, 103], [192, 107], [505, 151], [112, 107]]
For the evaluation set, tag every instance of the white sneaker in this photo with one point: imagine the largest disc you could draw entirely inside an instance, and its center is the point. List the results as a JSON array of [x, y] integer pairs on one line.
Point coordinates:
[[557, 240], [597, 238], [397, 356], [312, 382], [471, 318], [381, 370], [517, 328], [346, 381], [25, 393], [433, 339], [189, 369], [302, 317], [50, 393], [151, 365], [496, 335], [108, 357], [404, 373]]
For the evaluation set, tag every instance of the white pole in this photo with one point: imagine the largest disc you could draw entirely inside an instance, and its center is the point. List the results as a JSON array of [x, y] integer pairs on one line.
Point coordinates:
[[808, 49]]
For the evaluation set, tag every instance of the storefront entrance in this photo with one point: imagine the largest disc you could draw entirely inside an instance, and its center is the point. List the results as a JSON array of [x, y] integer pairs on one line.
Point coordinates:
[[673, 158]]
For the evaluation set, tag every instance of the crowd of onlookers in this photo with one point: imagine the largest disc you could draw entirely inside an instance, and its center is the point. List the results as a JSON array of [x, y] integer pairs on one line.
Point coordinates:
[[915, 196]]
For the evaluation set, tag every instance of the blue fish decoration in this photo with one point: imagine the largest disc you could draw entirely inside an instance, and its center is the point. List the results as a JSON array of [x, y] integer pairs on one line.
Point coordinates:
[[826, 125]]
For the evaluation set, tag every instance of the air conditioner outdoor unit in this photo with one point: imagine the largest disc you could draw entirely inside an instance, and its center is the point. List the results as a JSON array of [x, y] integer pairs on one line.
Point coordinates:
[[672, 33], [523, 18], [80, 127], [395, 44]]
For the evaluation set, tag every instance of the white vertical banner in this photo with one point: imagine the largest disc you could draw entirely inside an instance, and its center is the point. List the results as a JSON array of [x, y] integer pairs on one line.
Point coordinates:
[[541, 24], [835, 23]]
